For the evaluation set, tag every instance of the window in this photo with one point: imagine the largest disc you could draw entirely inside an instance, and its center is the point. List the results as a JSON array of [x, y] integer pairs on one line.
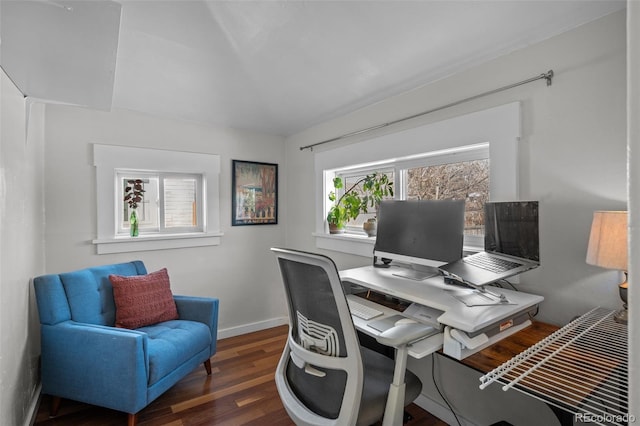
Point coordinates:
[[181, 204], [457, 174], [171, 203], [465, 180], [482, 145]]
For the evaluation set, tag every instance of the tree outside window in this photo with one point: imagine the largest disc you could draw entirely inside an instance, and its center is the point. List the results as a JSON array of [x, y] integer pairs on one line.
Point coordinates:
[[467, 180]]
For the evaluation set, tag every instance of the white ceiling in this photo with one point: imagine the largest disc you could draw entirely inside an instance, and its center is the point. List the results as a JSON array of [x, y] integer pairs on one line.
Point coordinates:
[[283, 66]]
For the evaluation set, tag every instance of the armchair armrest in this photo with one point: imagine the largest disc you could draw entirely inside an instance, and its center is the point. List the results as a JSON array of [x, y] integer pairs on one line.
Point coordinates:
[[201, 309], [100, 365], [404, 334]]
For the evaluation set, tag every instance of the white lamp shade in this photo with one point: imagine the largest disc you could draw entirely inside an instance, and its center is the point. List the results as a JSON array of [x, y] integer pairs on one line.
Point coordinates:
[[608, 240]]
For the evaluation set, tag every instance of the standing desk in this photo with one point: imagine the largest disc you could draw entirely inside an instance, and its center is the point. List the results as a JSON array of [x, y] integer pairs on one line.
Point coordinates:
[[437, 295]]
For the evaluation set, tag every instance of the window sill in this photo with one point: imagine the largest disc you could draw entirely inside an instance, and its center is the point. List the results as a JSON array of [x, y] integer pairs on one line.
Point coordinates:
[[127, 244], [360, 245]]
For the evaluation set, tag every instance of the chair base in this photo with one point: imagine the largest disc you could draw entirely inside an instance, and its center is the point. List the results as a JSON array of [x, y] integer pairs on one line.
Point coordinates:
[[407, 417], [394, 410]]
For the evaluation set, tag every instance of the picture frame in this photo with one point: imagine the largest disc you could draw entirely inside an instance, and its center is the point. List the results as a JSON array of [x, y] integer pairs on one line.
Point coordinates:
[[254, 193]]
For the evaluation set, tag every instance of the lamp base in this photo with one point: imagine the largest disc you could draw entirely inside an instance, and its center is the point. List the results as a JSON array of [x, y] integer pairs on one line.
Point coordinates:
[[622, 316]]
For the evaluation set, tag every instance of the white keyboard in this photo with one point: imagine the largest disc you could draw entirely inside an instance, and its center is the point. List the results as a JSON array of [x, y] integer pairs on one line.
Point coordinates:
[[363, 311]]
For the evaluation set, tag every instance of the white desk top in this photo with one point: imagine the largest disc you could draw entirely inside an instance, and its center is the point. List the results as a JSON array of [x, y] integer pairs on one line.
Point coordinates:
[[433, 292]]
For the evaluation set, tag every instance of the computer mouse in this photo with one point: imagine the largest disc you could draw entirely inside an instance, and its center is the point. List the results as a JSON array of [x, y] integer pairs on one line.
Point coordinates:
[[405, 321]]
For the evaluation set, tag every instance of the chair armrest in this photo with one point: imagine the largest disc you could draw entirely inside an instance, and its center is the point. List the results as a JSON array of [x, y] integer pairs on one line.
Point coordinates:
[[403, 334], [100, 365], [201, 309]]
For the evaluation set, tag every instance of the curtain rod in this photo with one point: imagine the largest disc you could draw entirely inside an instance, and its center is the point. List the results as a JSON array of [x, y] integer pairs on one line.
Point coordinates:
[[547, 76]]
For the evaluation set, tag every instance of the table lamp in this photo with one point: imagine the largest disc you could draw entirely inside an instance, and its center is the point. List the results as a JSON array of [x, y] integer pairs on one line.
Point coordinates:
[[608, 249]]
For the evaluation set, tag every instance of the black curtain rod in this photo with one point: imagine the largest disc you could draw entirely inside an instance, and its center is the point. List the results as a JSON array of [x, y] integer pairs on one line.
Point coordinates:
[[546, 76]]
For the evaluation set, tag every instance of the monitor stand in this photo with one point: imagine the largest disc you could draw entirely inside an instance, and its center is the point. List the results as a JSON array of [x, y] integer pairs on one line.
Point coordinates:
[[385, 262]]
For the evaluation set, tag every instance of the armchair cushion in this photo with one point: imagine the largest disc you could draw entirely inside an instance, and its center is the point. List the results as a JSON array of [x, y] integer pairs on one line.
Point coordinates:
[[173, 343], [143, 299], [84, 296]]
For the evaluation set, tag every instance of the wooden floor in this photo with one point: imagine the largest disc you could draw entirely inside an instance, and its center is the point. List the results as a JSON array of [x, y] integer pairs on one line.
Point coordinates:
[[240, 391]]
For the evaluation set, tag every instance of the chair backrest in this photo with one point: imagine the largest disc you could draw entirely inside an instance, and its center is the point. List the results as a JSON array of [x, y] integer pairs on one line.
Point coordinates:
[[320, 375], [84, 296]]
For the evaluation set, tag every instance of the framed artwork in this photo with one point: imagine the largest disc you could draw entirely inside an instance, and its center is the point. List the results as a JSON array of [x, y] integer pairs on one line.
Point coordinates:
[[254, 193]]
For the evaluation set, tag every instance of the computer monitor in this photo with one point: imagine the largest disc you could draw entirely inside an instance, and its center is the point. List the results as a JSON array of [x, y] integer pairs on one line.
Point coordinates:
[[424, 234]]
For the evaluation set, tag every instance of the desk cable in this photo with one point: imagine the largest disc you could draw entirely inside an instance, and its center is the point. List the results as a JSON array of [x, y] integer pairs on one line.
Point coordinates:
[[433, 377]]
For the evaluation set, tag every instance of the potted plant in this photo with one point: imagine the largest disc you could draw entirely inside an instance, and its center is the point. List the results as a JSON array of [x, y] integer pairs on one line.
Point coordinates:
[[133, 194], [375, 187]]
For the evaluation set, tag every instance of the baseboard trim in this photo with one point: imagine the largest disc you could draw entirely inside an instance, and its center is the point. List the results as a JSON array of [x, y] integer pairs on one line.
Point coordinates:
[[250, 328], [32, 413]]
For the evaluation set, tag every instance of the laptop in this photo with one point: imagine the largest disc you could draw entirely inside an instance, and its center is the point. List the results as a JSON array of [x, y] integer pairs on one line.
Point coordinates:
[[511, 245]]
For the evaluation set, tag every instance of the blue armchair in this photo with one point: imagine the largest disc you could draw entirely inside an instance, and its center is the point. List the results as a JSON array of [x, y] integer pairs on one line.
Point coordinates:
[[86, 358]]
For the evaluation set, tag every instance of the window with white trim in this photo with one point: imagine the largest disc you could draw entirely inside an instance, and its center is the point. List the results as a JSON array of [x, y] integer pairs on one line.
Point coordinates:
[[415, 151], [180, 207], [459, 174]]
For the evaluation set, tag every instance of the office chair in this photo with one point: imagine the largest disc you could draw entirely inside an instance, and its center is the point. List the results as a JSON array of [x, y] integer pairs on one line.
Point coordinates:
[[324, 376]]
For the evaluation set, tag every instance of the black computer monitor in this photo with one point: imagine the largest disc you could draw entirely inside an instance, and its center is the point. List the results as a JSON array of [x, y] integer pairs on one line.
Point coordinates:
[[427, 233]]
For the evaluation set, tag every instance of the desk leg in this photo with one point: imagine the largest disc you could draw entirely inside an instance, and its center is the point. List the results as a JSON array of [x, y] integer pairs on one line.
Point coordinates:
[[565, 417]]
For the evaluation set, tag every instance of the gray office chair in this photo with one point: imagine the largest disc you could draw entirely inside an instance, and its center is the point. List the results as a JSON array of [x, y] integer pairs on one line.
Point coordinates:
[[324, 376]]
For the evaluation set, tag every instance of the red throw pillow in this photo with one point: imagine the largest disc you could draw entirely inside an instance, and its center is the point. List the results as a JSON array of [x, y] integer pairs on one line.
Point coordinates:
[[143, 299]]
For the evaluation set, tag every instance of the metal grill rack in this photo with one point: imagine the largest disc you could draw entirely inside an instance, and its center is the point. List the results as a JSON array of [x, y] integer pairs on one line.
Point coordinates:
[[581, 369]]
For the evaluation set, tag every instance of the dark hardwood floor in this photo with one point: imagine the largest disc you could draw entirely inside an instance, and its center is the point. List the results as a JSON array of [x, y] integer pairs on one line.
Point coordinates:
[[240, 391]]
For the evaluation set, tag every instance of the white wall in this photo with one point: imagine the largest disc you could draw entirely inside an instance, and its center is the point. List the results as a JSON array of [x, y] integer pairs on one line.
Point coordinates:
[[21, 252], [572, 159], [240, 271]]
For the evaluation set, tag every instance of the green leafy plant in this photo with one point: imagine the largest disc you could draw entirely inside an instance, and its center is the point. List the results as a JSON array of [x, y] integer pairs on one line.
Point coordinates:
[[375, 187], [134, 193]]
